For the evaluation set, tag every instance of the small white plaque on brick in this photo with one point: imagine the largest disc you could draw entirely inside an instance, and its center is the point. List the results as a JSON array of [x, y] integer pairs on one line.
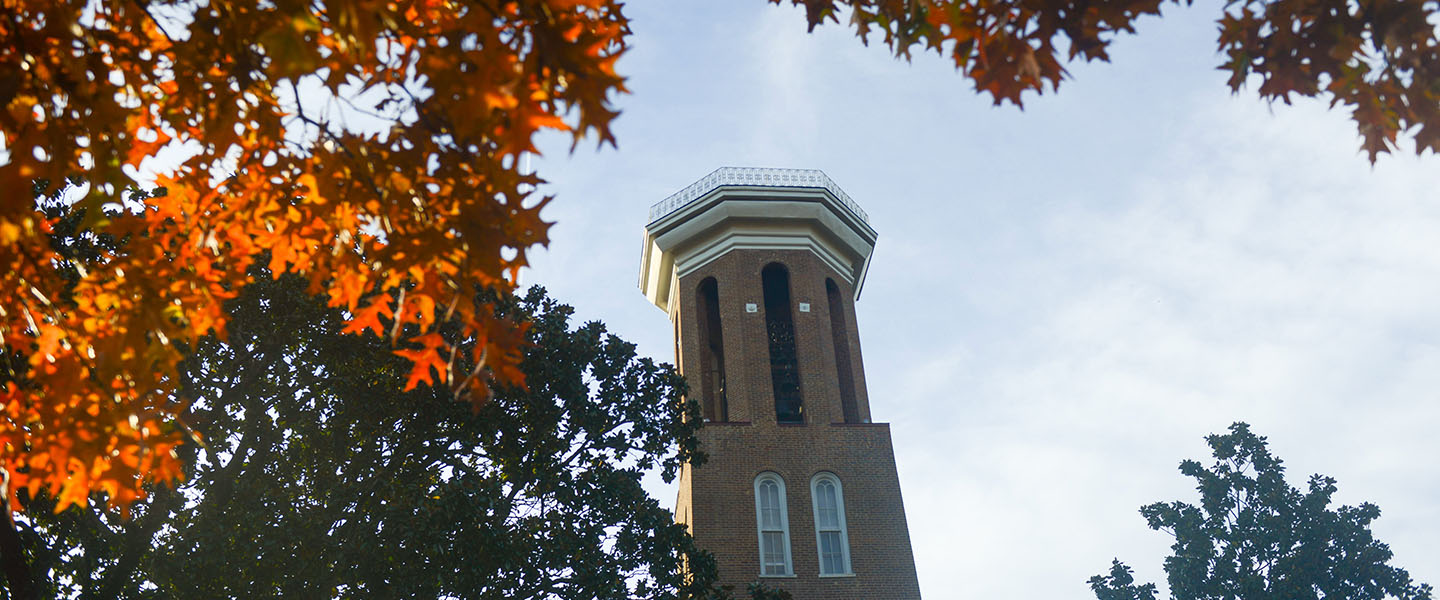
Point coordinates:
[[751, 307], [804, 307]]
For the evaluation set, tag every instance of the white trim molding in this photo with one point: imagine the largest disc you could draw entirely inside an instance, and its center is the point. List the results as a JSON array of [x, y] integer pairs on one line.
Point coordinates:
[[772, 526], [832, 539], [731, 216], [754, 176]]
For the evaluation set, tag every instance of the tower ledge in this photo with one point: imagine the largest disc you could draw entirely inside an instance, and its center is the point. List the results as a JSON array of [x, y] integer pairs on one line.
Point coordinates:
[[753, 208]]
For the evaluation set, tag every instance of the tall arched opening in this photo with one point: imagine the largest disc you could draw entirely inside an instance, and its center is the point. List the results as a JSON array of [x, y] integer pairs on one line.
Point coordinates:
[[713, 404], [840, 335], [780, 328]]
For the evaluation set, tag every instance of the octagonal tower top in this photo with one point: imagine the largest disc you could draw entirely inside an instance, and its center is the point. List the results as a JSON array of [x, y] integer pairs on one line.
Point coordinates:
[[753, 208]]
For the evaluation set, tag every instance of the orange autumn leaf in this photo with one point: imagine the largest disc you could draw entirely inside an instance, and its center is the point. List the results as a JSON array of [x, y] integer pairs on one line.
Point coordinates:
[[47, 344], [367, 318], [1380, 59], [398, 229], [425, 359], [418, 213]]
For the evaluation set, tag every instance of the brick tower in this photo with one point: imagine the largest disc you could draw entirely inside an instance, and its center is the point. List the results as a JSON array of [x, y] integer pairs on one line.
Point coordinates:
[[759, 270]]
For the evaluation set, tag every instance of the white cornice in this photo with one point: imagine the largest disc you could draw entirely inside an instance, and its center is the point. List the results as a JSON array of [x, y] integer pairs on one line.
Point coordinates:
[[755, 177], [695, 232]]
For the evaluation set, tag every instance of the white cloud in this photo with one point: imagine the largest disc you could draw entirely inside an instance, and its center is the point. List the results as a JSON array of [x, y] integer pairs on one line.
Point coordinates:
[[1271, 281], [1065, 300]]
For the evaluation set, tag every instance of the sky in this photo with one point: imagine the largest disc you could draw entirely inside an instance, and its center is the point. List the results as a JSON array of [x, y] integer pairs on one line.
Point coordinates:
[[1063, 300]]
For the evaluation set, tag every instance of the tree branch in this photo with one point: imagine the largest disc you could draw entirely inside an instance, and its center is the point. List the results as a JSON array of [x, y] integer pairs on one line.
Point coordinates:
[[12, 558]]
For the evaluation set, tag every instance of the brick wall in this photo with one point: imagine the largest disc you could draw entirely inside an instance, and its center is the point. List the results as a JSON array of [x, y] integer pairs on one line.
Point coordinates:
[[717, 499]]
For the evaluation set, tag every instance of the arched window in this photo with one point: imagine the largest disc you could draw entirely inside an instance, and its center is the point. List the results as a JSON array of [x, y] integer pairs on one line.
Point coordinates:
[[840, 334], [773, 524], [712, 353], [831, 539], [780, 327]]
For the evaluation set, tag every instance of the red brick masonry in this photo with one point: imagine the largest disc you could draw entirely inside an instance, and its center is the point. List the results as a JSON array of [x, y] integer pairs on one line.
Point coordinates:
[[717, 499]]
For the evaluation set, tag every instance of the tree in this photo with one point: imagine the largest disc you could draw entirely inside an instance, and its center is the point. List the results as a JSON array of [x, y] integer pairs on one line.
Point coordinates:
[[325, 480], [396, 223], [373, 147], [1380, 58], [1255, 537]]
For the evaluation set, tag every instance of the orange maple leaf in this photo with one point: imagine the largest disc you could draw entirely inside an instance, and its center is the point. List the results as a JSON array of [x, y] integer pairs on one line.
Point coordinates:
[[425, 358], [368, 317]]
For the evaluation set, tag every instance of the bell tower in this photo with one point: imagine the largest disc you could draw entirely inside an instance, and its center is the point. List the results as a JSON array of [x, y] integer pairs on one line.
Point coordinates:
[[759, 270]]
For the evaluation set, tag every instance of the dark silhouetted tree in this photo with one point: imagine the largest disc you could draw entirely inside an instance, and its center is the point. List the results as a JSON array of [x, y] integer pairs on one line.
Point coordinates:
[[1254, 537], [322, 479]]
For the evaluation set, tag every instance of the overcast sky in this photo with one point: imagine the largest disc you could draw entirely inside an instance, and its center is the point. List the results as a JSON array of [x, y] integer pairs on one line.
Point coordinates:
[[1063, 301]]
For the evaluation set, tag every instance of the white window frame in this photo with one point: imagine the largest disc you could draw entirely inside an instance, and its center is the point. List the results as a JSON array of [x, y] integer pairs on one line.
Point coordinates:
[[815, 481], [771, 477]]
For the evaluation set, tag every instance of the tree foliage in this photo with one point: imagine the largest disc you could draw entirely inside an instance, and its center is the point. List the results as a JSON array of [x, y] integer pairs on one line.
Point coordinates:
[[372, 147], [1254, 537], [1379, 58], [325, 480], [395, 224]]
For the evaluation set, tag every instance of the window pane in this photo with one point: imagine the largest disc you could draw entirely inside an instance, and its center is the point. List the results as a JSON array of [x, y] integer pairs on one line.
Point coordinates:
[[769, 505], [829, 527], [827, 515], [774, 538], [831, 561], [828, 519], [772, 549], [826, 493]]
